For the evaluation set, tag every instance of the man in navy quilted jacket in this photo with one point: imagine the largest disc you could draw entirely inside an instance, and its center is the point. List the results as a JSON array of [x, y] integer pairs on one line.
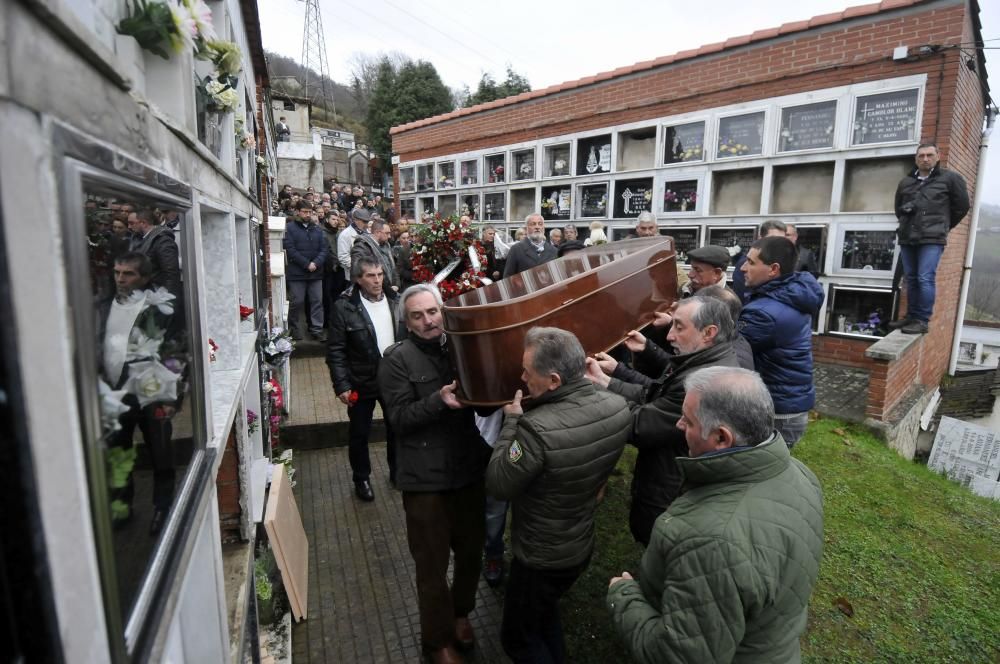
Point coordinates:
[[777, 322]]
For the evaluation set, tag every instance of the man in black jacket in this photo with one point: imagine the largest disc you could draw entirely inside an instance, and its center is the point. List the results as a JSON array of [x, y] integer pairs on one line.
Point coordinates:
[[364, 324], [533, 250], [702, 335], [441, 459], [930, 202], [552, 460], [158, 244]]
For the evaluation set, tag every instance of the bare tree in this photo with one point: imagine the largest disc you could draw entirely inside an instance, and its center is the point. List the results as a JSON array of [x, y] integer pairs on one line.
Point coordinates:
[[364, 73]]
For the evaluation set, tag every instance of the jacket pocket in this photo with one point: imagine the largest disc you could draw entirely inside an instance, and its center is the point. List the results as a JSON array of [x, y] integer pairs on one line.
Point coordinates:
[[424, 384]]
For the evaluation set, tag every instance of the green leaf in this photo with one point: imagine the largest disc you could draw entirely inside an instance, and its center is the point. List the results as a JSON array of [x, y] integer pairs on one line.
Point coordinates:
[[119, 510], [120, 464]]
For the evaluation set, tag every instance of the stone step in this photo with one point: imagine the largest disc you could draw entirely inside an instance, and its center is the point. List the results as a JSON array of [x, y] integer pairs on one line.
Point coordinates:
[[325, 435]]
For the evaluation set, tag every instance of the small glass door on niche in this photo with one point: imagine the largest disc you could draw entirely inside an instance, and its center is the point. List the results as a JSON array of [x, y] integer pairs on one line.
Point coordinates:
[[593, 155], [138, 370], [495, 206], [494, 169], [524, 164], [469, 172], [556, 160]]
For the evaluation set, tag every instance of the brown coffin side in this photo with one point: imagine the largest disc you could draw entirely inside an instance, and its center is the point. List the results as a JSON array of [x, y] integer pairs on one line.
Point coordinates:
[[599, 311]]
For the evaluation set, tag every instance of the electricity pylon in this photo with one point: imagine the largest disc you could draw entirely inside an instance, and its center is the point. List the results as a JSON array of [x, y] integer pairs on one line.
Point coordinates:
[[314, 59]]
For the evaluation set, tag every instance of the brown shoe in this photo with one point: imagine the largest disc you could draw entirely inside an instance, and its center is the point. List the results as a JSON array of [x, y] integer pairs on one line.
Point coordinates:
[[446, 655], [465, 639]]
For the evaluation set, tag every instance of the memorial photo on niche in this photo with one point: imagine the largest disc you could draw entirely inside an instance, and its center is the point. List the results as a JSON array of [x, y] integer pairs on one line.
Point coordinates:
[[886, 118], [557, 160], [741, 135], [685, 239], [633, 197], [524, 164], [680, 196], [494, 207], [868, 250], [593, 155], [594, 201], [446, 175], [495, 168], [807, 127], [684, 143], [406, 182], [556, 202], [469, 172], [737, 240]]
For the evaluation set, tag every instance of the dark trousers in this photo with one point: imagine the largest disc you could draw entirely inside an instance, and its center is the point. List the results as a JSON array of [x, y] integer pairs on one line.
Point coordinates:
[[156, 432], [436, 524], [532, 631], [333, 286], [358, 432], [298, 293]]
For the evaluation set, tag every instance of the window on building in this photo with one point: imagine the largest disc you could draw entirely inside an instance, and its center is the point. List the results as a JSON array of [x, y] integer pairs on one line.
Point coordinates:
[[556, 160]]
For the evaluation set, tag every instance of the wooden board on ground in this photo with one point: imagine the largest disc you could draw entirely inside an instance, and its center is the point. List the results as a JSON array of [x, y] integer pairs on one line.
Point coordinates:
[[288, 540]]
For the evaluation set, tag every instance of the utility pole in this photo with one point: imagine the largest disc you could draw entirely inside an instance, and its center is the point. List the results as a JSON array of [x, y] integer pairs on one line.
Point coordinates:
[[314, 60]]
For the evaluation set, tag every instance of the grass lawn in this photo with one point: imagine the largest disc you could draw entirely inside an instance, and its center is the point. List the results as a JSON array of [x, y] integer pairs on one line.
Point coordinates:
[[916, 558]]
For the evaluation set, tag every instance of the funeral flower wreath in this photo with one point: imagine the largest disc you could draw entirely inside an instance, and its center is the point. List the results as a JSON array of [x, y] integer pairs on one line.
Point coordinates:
[[447, 253]]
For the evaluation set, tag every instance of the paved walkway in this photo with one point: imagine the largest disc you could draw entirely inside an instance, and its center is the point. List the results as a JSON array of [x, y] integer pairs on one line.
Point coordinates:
[[362, 595]]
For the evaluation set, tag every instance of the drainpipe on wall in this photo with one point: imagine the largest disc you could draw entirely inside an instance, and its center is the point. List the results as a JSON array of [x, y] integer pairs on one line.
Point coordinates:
[[970, 251]]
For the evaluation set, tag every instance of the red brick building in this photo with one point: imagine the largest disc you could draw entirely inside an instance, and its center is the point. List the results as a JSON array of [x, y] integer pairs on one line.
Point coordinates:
[[812, 122]]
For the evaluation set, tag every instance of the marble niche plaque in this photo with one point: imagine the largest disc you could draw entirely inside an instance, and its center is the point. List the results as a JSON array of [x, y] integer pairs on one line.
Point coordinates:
[[684, 142], [968, 454], [593, 155], [886, 118], [633, 197], [808, 127], [741, 135], [594, 201]]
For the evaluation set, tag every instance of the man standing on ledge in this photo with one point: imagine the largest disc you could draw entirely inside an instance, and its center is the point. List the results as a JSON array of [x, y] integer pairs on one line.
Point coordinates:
[[731, 565], [440, 464], [552, 461], [930, 202], [533, 250]]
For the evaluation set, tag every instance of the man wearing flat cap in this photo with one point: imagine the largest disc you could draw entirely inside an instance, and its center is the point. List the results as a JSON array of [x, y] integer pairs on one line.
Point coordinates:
[[707, 268]]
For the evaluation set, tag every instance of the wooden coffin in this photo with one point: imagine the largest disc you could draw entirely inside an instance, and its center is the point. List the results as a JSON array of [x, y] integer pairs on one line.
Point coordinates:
[[598, 294]]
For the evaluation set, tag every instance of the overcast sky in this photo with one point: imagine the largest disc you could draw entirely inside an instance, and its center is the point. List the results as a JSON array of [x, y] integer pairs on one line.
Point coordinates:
[[552, 42]]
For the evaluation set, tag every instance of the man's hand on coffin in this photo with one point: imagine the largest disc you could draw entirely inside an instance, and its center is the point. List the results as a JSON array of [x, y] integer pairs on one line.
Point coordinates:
[[662, 319], [595, 375], [606, 362], [448, 395], [514, 407], [635, 341]]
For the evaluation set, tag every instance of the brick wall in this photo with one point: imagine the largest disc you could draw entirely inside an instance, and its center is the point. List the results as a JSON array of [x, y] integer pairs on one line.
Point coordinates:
[[839, 54], [227, 487], [843, 351]]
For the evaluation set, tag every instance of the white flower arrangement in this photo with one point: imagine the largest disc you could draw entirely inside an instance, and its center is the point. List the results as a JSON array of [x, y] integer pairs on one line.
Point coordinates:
[[223, 98]]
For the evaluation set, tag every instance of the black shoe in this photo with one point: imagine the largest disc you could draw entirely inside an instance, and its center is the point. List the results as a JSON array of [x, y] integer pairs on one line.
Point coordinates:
[[363, 490], [157, 522], [320, 337], [897, 324], [915, 327]]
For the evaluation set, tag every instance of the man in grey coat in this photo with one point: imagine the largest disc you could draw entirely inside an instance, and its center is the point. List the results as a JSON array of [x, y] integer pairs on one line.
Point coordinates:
[[552, 460], [532, 250]]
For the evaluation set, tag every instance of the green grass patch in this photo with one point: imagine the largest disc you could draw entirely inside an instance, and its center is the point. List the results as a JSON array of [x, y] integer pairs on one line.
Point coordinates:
[[916, 557]]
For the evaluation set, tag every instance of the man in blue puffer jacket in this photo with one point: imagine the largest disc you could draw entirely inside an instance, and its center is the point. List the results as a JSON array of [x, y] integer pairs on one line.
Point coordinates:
[[777, 323]]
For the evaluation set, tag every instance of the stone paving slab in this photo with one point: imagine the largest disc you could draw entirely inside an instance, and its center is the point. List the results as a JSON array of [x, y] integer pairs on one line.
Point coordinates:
[[362, 592]]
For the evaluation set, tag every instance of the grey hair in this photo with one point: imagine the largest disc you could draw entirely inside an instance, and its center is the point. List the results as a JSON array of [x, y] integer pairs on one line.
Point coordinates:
[[378, 223], [645, 216], [556, 351], [726, 296], [734, 398], [711, 311], [533, 214], [771, 224], [360, 264], [417, 289]]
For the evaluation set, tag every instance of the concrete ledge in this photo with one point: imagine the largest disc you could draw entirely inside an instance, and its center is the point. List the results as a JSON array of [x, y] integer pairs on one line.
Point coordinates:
[[892, 346], [902, 427]]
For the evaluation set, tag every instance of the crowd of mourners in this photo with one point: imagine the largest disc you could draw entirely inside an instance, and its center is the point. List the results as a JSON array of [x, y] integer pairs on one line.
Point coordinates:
[[713, 395]]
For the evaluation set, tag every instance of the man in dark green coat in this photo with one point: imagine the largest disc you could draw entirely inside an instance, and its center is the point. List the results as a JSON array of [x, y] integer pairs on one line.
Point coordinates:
[[731, 565], [551, 461]]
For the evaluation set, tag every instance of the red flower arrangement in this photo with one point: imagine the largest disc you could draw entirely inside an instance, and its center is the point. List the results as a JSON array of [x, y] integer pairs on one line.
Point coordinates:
[[245, 312], [445, 241]]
